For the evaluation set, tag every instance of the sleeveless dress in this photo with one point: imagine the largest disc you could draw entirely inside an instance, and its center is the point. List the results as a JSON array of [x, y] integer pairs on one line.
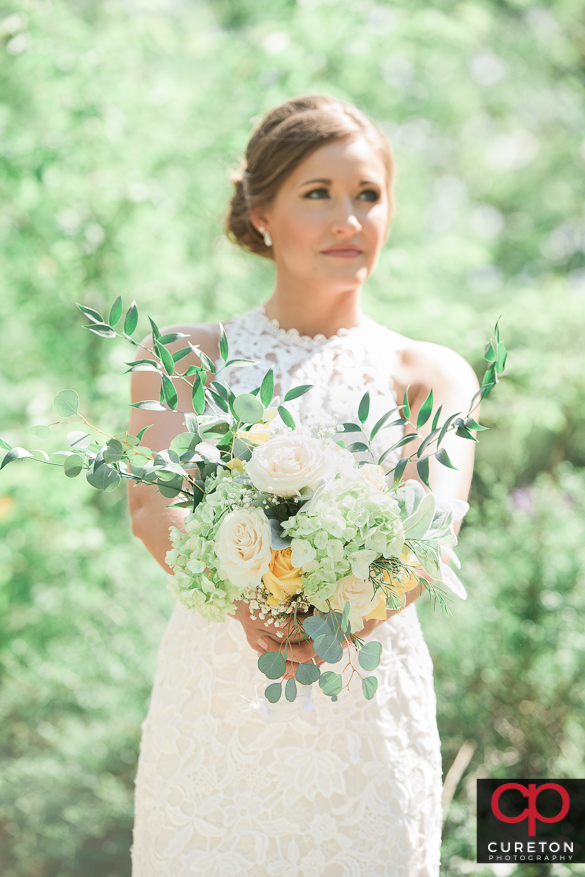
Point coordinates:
[[350, 789]]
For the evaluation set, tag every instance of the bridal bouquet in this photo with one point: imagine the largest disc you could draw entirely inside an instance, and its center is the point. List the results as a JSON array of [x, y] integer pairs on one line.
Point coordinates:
[[289, 521]]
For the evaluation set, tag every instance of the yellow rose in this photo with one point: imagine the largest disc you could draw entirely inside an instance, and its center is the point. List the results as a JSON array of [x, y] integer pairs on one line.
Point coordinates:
[[259, 434], [282, 579]]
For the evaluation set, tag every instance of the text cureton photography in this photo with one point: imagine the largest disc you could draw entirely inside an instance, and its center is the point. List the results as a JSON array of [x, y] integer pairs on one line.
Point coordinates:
[[536, 820]]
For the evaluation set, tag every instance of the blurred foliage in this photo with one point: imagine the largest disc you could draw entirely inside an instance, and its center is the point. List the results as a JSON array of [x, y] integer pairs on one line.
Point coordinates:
[[119, 122]]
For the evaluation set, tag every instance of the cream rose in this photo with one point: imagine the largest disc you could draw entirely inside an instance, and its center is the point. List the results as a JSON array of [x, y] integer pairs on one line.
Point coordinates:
[[374, 476], [243, 547], [259, 433], [360, 593], [287, 463]]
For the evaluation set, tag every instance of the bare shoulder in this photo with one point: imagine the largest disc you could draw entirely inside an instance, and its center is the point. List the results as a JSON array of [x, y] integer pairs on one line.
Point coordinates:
[[424, 365]]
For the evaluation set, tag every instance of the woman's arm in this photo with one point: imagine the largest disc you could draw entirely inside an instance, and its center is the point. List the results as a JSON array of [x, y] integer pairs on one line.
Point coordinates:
[[150, 515], [425, 367]]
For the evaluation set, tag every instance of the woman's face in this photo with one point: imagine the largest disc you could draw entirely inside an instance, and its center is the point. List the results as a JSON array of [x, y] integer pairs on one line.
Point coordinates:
[[329, 218]]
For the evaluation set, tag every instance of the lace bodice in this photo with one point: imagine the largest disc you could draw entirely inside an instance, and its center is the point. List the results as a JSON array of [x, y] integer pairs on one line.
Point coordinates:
[[341, 369], [350, 789]]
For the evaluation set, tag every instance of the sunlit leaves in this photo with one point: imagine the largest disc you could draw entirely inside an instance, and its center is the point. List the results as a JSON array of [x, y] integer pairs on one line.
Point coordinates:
[[296, 392]]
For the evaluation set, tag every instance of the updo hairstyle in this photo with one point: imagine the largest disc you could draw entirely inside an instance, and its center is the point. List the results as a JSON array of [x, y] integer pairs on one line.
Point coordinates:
[[284, 138]]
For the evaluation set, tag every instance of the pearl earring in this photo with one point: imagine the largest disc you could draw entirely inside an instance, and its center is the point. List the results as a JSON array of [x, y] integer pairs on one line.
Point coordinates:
[[266, 236]]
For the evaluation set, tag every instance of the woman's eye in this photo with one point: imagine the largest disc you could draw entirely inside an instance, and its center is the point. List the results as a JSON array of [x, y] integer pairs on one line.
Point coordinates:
[[316, 194], [369, 195]]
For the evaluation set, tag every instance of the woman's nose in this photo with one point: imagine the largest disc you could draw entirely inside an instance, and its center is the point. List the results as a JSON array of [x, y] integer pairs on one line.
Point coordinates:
[[345, 219]]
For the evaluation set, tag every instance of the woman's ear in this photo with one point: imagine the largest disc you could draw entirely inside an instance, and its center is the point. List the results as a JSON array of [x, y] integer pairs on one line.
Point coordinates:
[[259, 219]]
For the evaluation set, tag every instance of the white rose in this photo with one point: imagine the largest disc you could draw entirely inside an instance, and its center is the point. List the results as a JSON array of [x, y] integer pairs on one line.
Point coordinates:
[[374, 476], [243, 547], [360, 593], [287, 463]]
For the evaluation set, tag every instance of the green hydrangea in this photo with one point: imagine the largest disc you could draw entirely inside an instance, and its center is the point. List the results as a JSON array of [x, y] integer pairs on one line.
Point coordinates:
[[193, 551], [345, 528]]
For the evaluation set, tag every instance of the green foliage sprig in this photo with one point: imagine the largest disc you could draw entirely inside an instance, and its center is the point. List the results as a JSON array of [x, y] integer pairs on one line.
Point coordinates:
[[219, 437]]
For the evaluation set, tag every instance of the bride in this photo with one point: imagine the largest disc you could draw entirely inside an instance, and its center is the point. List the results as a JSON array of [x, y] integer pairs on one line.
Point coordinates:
[[331, 789]]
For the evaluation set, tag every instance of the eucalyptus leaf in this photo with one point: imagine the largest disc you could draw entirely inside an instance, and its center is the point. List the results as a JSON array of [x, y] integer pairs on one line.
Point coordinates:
[[41, 431], [316, 627], [185, 441], [248, 409], [272, 664], [103, 476], [290, 690], [14, 454], [73, 465], [328, 648], [369, 686], [331, 683], [66, 403], [369, 655], [273, 692], [113, 452], [307, 674]]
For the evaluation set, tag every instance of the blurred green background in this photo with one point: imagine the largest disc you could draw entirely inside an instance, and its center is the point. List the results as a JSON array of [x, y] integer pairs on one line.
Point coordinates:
[[119, 122]]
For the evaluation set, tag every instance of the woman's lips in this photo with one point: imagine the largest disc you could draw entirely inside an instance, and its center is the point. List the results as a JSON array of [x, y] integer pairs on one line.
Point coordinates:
[[342, 252]]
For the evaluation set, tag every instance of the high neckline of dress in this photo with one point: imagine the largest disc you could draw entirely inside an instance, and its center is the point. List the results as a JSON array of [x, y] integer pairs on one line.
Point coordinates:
[[293, 336]]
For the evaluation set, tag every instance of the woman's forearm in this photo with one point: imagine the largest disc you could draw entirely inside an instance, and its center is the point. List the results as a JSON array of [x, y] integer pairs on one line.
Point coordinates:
[[151, 522]]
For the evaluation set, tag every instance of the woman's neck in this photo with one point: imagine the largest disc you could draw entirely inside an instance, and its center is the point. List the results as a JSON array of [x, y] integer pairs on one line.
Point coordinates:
[[314, 313]]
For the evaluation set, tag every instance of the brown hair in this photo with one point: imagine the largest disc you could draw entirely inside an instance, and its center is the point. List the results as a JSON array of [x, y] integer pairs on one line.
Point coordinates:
[[284, 138]]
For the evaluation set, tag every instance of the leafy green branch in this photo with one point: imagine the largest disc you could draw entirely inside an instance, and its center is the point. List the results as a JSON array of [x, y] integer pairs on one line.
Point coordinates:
[[464, 425]]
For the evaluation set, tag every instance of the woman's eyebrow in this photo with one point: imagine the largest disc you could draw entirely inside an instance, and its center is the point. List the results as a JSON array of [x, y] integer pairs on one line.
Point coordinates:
[[329, 182]]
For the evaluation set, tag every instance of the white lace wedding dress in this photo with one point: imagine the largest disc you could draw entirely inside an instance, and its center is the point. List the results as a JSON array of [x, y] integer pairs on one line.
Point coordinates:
[[351, 789]]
